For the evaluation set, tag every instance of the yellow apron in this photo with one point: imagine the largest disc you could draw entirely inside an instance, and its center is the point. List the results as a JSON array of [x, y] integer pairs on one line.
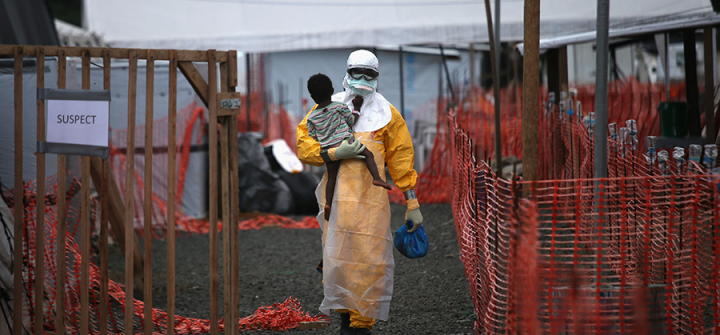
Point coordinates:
[[357, 241], [358, 260]]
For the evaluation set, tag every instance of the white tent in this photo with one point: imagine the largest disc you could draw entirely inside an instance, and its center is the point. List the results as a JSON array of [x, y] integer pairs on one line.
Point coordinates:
[[281, 25], [303, 37], [640, 29]]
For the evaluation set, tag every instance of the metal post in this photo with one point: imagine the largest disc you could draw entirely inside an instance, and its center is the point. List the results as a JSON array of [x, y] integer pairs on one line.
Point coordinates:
[[402, 83], [249, 89], [471, 54], [710, 134], [601, 89], [498, 101], [301, 91], [667, 67], [447, 73], [498, 40]]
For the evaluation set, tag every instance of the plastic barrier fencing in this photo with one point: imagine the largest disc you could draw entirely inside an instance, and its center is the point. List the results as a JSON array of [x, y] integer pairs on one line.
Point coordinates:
[[635, 253], [565, 150], [278, 317]]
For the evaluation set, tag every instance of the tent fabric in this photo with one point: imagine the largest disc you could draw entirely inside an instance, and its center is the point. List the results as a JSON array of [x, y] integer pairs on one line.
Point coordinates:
[[73, 36], [284, 25], [26, 22], [698, 21]]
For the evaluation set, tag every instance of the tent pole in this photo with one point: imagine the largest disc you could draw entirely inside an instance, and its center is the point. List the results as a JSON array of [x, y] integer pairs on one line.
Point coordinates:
[[691, 83], [447, 74], [402, 82], [498, 50], [249, 89], [667, 67], [471, 55], [494, 52], [601, 90], [710, 133], [531, 91]]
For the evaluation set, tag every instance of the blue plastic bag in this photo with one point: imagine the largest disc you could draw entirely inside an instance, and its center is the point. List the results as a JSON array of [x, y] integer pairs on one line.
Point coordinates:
[[411, 245]]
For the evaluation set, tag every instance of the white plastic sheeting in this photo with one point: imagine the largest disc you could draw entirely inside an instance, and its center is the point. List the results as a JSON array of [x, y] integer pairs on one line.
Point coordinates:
[[281, 25], [73, 36], [697, 21]]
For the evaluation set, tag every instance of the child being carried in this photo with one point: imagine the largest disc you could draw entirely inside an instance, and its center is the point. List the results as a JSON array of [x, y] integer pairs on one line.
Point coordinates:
[[330, 124]]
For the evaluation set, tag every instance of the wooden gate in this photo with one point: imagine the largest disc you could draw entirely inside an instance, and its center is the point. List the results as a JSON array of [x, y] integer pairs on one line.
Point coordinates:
[[223, 110]]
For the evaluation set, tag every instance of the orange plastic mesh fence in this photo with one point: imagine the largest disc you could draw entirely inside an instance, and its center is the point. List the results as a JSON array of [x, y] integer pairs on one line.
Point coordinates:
[[562, 138], [279, 316], [645, 260], [191, 128]]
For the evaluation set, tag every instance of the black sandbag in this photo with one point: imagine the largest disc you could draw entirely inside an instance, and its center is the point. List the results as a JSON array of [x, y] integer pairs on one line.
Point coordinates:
[[302, 186], [260, 188]]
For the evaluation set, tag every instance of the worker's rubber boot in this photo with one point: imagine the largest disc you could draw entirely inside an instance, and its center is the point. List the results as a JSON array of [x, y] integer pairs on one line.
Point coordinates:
[[345, 328], [344, 323], [359, 331]]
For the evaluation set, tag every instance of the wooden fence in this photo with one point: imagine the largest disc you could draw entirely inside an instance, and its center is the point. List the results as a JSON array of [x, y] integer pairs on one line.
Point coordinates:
[[138, 264]]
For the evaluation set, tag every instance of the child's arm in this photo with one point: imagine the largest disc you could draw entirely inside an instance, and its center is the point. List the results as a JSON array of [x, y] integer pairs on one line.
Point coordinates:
[[350, 116], [357, 103]]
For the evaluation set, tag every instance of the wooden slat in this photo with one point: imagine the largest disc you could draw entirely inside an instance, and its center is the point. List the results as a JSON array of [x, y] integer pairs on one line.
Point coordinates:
[[172, 119], [120, 53], [129, 193], [196, 80], [61, 214], [226, 234], [531, 83], [232, 66], [234, 213], [234, 210], [147, 199], [18, 191], [85, 220], [40, 203], [104, 215], [213, 201], [116, 216]]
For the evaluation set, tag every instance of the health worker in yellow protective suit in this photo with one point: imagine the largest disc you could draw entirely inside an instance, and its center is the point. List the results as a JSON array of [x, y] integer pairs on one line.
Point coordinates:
[[358, 260]]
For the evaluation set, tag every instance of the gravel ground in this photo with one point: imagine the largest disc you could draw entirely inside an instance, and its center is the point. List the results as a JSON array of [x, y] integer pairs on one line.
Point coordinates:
[[431, 294]]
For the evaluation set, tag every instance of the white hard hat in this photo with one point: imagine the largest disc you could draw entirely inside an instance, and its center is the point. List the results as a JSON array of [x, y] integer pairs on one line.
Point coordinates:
[[362, 59]]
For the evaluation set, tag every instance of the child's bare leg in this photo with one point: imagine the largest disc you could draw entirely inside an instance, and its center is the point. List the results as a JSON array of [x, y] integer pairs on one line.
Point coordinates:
[[373, 168], [332, 171]]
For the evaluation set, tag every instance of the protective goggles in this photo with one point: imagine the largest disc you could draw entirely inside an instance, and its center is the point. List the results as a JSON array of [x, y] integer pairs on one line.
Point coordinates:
[[357, 73]]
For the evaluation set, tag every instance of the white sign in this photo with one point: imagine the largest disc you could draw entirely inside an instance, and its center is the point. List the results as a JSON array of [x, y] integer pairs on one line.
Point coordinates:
[[78, 122]]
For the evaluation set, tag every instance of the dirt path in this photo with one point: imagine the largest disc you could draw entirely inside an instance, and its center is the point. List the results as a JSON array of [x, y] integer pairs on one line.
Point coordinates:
[[431, 294]]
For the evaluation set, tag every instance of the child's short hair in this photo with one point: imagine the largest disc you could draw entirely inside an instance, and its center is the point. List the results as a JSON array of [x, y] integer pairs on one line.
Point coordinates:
[[320, 87]]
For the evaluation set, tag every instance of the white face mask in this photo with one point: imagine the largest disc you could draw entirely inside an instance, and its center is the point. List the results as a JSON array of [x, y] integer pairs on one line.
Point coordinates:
[[362, 86]]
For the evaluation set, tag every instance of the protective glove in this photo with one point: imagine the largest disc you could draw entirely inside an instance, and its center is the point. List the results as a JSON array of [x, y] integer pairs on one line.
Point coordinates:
[[413, 214], [347, 150]]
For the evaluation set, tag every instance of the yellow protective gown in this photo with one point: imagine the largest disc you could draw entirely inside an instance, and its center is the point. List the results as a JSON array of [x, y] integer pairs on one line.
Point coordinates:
[[358, 260]]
